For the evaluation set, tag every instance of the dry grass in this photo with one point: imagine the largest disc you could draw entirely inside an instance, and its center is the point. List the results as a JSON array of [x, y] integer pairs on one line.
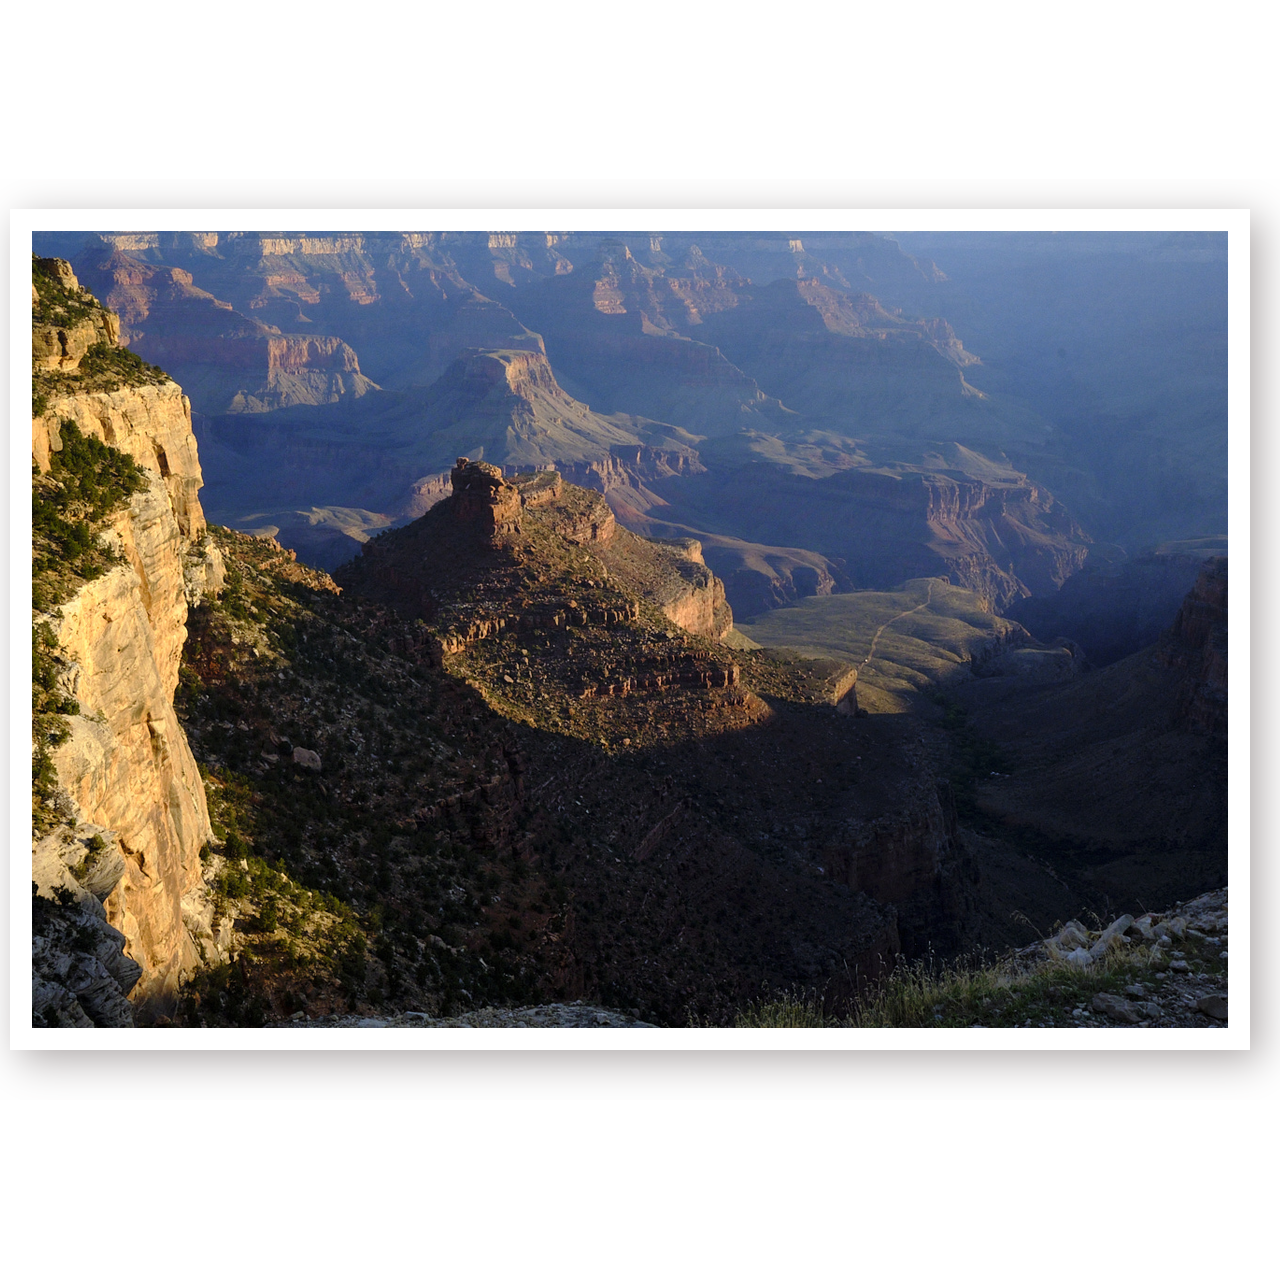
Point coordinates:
[[1011, 993]]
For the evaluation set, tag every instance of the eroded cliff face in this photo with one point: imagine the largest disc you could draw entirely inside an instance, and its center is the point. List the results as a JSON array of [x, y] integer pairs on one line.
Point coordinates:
[[60, 348], [685, 589], [1196, 645], [125, 772], [670, 575], [1003, 539], [229, 362]]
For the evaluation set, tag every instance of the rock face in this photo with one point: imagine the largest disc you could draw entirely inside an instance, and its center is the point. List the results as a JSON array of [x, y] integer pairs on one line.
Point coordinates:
[[255, 373], [389, 452], [482, 498], [506, 407], [841, 358], [228, 362], [779, 372], [126, 768], [676, 578], [1196, 645], [60, 348], [997, 534], [507, 516], [1016, 653]]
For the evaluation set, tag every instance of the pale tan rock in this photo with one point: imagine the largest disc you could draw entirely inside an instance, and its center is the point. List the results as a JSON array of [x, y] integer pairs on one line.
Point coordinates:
[[60, 348], [49, 871], [204, 572], [126, 765], [688, 593], [151, 423]]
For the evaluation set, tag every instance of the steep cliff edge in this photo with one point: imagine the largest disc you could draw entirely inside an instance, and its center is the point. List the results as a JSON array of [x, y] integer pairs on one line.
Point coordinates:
[[112, 580]]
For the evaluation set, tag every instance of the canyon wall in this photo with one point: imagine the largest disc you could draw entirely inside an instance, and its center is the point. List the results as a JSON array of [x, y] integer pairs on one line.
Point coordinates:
[[1196, 645], [125, 772]]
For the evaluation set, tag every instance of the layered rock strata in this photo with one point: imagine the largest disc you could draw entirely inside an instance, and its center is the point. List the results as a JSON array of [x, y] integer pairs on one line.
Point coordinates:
[[125, 770], [492, 512], [229, 362]]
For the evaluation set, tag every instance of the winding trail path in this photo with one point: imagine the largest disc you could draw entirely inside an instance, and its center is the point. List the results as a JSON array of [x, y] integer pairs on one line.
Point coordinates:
[[875, 640]]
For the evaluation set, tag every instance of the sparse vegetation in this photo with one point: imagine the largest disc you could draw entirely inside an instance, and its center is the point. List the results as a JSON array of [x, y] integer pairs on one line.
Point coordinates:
[[55, 304], [334, 889], [795, 1010], [87, 482], [930, 630], [105, 366], [49, 727], [1013, 992]]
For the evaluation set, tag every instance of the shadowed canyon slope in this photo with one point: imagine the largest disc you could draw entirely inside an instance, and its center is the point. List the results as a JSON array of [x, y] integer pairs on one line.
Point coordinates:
[[1123, 770]]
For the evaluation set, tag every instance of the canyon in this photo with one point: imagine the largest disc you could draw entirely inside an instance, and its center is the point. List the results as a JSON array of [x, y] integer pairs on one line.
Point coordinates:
[[659, 621]]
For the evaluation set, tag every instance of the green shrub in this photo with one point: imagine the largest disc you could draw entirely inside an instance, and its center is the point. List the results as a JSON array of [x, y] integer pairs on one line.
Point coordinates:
[[55, 304], [87, 481], [108, 368]]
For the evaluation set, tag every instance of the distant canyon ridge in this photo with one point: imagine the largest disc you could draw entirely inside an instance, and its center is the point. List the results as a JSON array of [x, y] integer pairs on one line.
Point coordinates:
[[821, 411]]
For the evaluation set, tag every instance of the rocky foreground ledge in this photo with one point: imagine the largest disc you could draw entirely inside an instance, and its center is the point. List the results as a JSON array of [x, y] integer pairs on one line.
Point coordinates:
[[1177, 961], [576, 1014]]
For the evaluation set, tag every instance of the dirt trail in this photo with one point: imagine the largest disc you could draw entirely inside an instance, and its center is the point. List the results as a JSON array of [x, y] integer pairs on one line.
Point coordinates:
[[875, 640]]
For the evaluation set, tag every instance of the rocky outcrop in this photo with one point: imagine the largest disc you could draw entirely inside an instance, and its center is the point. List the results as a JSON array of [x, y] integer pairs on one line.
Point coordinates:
[[60, 348], [425, 492], [80, 976], [671, 575], [675, 578], [1174, 960], [63, 330], [228, 362], [596, 524], [489, 515], [482, 499], [125, 771], [632, 466], [974, 526], [1003, 539], [1016, 653], [389, 453], [256, 373], [1196, 645], [625, 470]]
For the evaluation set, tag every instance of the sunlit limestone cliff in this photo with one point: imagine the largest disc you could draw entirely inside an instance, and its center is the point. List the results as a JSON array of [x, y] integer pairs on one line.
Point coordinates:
[[118, 553]]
